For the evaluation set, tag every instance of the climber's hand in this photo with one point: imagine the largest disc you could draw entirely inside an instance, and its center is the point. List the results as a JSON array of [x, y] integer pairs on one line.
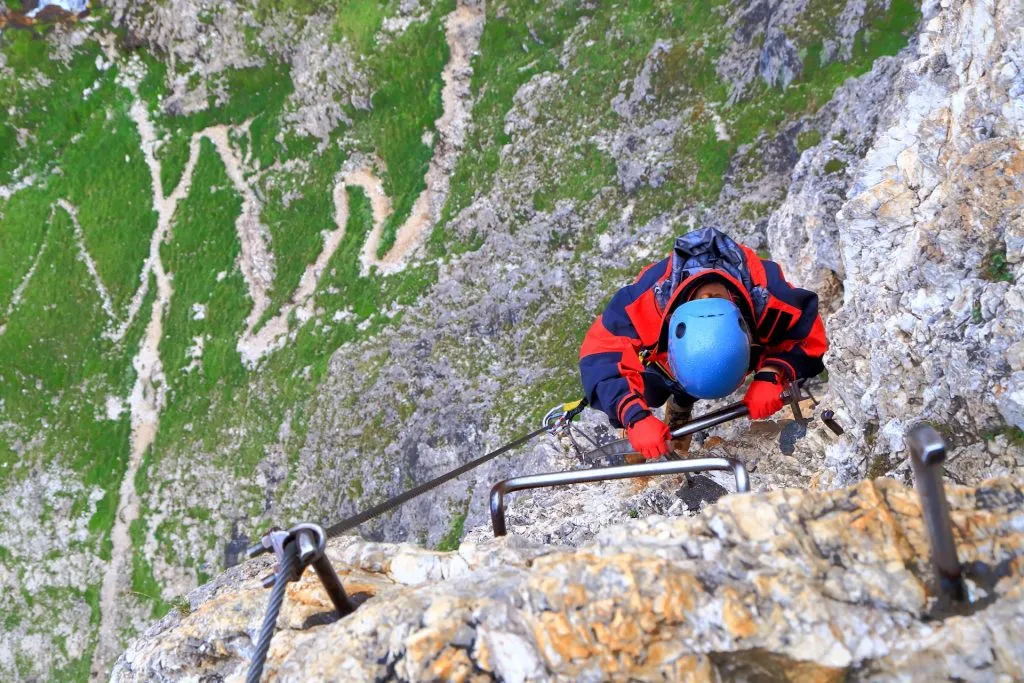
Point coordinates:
[[649, 436], [764, 397]]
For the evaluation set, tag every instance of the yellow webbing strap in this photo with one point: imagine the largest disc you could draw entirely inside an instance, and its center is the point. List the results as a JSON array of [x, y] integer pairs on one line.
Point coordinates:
[[572, 405]]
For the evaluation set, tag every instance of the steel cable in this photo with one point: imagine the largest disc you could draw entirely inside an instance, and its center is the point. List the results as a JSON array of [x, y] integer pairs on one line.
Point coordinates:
[[281, 579], [392, 503], [288, 563]]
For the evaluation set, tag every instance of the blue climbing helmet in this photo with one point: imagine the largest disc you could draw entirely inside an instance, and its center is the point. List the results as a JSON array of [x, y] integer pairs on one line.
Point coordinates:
[[708, 347]]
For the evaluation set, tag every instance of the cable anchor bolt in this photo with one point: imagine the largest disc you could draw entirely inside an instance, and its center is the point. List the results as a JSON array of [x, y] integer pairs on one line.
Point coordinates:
[[310, 545]]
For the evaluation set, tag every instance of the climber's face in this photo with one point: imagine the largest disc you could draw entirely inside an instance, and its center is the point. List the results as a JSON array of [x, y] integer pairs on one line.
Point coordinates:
[[716, 290], [712, 290]]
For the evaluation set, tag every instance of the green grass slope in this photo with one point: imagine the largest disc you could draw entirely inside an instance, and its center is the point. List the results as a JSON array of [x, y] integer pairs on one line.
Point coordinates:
[[230, 435]]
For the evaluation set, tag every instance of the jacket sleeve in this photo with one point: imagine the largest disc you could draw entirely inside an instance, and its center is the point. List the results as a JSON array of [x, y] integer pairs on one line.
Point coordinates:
[[610, 367], [802, 347]]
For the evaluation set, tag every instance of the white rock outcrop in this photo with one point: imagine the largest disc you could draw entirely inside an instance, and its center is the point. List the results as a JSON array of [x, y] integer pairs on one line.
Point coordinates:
[[930, 243], [789, 585]]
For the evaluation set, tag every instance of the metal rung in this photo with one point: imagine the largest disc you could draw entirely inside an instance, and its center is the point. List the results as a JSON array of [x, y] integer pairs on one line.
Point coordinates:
[[712, 419], [927, 456], [536, 481]]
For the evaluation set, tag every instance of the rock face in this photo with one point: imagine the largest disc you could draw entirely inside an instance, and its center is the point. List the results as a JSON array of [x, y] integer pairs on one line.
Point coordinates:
[[516, 319], [762, 39], [589, 136], [802, 232], [929, 240], [785, 585], [214, 36], [779, 62]]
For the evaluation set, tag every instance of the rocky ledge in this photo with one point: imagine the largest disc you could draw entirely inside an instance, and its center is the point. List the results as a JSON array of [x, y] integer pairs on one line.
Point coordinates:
[[782, 585]]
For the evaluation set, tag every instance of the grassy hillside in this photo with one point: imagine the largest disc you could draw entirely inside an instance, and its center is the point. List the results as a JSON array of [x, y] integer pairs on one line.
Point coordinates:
[[77, 217]]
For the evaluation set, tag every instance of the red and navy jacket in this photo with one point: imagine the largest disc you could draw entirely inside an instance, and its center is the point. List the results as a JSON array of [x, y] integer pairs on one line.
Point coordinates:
[[630, 336]]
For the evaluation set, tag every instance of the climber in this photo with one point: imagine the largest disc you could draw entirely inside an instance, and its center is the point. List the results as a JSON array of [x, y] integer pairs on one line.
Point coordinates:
[[693, 326]]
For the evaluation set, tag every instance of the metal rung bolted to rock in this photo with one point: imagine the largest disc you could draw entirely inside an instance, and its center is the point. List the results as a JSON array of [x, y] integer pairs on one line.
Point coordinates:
[[797, 429], [828, 418], [927, 456], [614, 452], [535, 481], [305, 545]]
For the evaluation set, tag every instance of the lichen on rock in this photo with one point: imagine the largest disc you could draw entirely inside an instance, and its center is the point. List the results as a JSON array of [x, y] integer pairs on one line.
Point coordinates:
[[926, 326], [875, 158], [788, 584]]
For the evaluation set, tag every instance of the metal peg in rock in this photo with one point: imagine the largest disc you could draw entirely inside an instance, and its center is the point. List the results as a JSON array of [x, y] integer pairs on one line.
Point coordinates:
[[797, 429], [828, 418], [548, 479], [311, 546], [296, 549], [927, 456]]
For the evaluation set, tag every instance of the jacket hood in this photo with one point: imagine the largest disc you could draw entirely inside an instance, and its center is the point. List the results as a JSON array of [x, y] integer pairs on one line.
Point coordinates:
[[699, 257]]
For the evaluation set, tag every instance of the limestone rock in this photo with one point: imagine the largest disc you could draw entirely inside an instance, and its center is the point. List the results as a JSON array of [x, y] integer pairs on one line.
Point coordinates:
[[930, 237], [208, 37], [920, 160], [751, 54], [761, 47], [779, 63], [802, 233], [792, 584]]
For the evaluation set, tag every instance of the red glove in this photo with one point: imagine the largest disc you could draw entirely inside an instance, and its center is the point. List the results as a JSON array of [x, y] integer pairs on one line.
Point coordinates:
[[764, 397], [649, 436]]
